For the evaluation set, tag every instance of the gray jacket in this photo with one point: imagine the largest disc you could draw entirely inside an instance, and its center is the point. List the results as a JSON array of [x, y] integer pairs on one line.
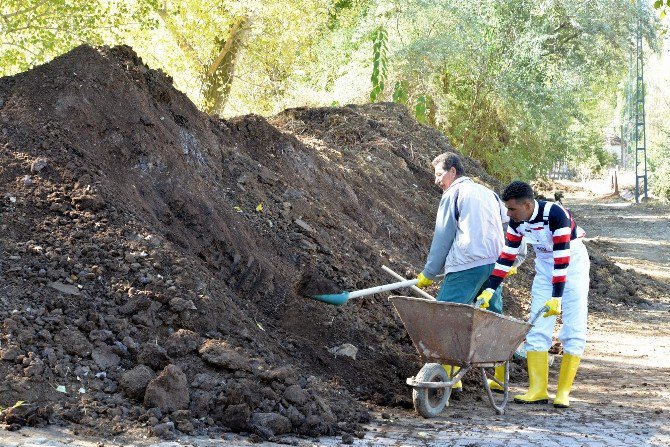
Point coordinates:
[[468, 229]]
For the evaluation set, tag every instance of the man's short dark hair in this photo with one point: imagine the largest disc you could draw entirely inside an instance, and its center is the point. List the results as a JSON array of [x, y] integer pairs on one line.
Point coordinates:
[[518, 190], [449, 160]]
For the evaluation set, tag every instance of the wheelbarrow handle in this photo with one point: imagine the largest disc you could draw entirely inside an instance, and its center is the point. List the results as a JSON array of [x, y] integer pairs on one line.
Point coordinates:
[[539, 313], [532, 321], [384, 288], [402, 278]]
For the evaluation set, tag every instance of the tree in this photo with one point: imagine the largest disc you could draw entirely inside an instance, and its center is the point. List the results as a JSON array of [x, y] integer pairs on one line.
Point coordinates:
[[518, 85], [34, 31], [211, 37]]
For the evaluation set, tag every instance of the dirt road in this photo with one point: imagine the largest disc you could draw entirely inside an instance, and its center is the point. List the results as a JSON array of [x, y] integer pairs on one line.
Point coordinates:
[[621, 393]]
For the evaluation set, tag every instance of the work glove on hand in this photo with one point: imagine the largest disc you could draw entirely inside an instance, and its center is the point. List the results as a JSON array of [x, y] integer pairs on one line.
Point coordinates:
[[422, 281], [485, 297], [512, 271], [554, 306]]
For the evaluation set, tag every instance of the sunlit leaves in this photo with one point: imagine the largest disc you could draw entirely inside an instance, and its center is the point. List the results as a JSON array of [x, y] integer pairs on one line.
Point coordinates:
[[519, 84], [421, 110], [34, 31], [400, 92], [379, 63]]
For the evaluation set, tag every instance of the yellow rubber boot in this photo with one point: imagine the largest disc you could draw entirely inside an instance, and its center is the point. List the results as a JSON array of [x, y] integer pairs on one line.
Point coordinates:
[[566, 377], [500, 375], [459, 385], [538, 377]]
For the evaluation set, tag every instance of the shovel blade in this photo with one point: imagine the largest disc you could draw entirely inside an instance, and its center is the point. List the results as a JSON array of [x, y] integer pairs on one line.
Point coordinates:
[[336, 299]]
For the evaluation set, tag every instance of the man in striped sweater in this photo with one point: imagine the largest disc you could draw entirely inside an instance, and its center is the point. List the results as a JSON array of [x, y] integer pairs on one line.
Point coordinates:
[[561, 281]]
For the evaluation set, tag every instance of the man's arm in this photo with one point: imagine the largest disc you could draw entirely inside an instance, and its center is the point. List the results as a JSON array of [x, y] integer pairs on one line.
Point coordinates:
[[443, 238], [560, 226], [506, 259]]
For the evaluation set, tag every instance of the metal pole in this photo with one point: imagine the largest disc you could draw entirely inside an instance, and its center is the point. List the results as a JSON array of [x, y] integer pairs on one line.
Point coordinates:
[[640, 126]]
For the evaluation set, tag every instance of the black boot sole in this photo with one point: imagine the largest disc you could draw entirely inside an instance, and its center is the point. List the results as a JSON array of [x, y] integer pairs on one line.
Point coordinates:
[[541, 401], [561, 406]]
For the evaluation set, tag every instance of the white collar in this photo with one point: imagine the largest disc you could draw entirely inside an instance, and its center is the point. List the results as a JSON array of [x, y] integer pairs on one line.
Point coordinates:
[[535, 211]]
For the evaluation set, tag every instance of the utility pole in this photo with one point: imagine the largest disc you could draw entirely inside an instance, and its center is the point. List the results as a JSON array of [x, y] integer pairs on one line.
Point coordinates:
[[640, 134], [630, 107]]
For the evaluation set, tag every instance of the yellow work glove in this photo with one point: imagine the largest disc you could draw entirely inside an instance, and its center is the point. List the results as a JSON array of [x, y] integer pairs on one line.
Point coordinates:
[[422, 281], [485, 296], [554, 306], [512, 271]]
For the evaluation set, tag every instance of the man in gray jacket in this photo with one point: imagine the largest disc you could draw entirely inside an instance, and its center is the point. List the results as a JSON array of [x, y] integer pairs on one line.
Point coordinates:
[[468, 238], [468, 235]]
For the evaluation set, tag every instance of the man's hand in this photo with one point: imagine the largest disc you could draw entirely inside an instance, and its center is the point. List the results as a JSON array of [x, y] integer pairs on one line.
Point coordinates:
[[484, 297], [512, 271], [554, 306], [422, 281]]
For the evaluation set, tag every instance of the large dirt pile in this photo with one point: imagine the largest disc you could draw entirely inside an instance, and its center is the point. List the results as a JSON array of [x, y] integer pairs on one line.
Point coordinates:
[[154, 260]]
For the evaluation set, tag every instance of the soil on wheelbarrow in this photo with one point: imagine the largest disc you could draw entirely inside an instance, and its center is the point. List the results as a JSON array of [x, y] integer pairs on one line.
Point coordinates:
[[155, 260]]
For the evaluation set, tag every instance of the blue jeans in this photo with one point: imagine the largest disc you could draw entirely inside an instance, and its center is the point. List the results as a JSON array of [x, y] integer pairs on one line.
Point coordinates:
[[466, 285]]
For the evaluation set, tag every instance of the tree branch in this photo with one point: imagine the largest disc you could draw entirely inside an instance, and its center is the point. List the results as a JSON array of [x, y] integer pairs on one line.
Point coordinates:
[[229, 43], [12, 44], [183, 44], [23, 11]]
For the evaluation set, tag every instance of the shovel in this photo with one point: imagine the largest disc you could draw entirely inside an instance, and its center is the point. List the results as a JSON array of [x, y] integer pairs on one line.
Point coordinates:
[[338, 299]]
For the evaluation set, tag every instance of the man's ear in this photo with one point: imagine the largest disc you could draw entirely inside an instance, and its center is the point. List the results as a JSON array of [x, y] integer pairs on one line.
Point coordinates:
[[530, 204]]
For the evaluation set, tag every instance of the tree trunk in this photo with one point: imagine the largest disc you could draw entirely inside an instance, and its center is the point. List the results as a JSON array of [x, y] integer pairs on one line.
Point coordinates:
[[218, 78]]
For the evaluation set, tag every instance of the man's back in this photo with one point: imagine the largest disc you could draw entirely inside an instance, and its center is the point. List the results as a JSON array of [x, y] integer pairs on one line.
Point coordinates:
[[479, 235]]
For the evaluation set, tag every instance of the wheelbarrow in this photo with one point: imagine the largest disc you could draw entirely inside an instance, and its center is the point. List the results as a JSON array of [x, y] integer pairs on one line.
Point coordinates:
[[461, 335]]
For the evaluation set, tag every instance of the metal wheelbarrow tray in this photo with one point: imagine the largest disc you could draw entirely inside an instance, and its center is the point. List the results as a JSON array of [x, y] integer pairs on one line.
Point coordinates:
[[460, 335]]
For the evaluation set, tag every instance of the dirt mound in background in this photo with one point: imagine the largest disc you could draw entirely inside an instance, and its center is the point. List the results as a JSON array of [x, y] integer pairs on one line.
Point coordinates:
[[155, 259]]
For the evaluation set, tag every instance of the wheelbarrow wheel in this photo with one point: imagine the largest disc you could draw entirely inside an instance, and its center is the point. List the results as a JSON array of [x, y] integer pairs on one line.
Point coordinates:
[[429, 402]]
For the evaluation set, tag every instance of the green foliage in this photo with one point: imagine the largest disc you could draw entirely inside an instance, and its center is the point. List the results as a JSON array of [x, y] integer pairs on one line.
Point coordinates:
[[421, 110], [400, 92], [517, 84], [659, 180], [659, 158], [34, 31], [663, 7], [379, 63]]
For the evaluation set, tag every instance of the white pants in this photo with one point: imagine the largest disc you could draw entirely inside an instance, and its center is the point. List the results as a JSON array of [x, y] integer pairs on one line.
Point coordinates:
[[574, 303]]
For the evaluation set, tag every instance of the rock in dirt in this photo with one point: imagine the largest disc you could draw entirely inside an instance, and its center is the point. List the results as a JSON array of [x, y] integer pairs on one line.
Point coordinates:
[[346, 350], [220, 353], [296, 395], [32, 415], [105, 358], [38, 165], [135, 381], [75, 342], [169, 391], [64, 288], [182, 342], [154, 356], [237, 417], [270, 424]]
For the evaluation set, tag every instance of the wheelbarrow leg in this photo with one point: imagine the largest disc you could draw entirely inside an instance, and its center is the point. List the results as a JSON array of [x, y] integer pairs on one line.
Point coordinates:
[[498, 406]]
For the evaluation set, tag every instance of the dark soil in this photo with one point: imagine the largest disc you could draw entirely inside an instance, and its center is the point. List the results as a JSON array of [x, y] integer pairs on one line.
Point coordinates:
[[155, 260]]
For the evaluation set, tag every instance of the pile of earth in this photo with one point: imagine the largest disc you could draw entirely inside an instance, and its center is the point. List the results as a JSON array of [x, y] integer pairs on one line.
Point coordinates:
[[155, 260]]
